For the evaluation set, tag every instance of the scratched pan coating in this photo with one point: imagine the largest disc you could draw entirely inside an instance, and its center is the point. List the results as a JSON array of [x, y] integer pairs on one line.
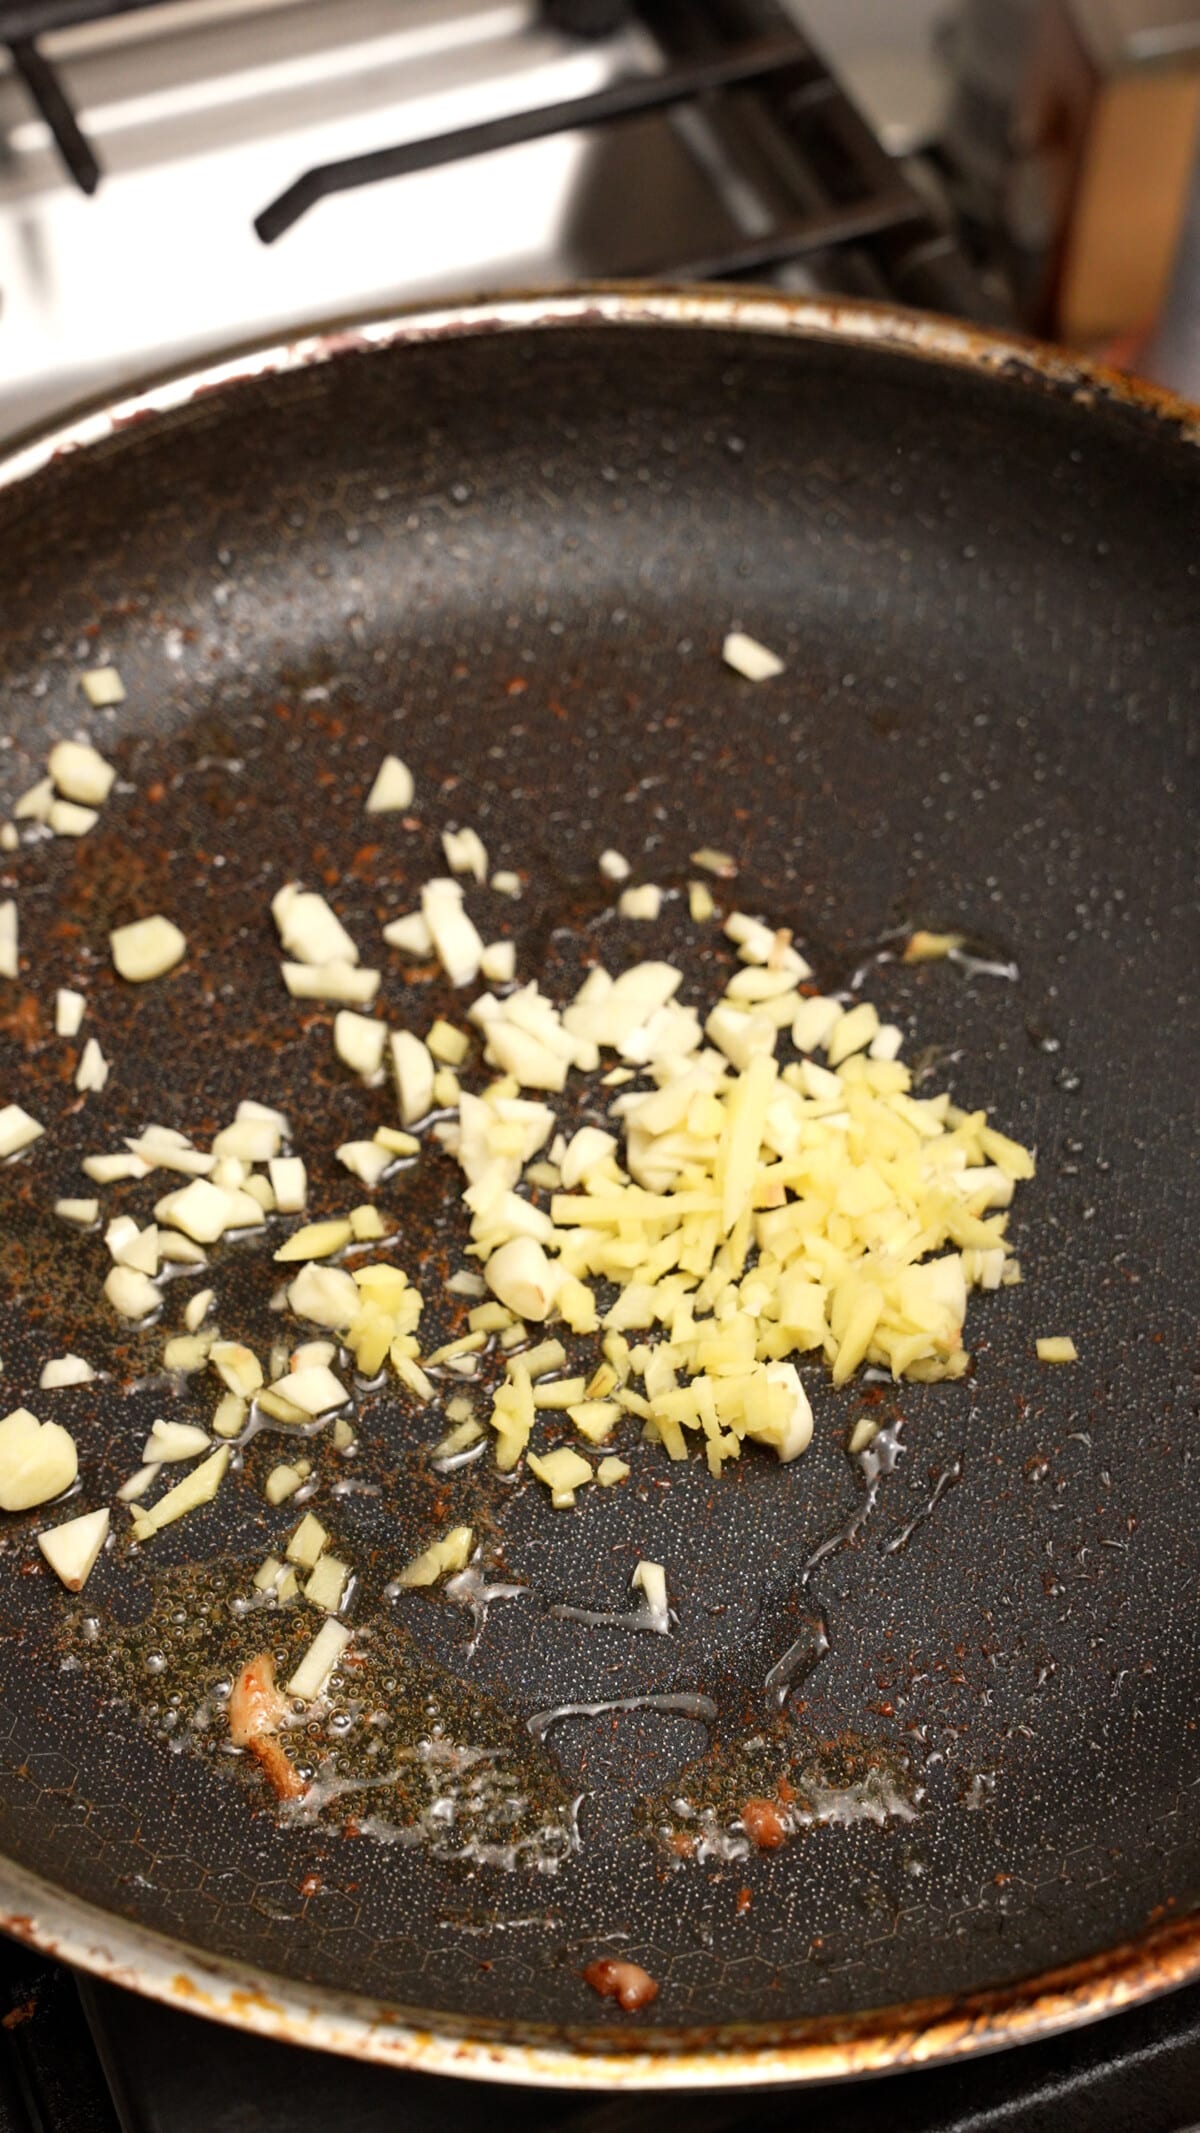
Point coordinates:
[[511, 557]]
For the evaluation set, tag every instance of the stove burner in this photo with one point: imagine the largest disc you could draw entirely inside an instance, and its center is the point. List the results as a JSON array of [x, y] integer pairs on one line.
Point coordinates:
[[748, 94]]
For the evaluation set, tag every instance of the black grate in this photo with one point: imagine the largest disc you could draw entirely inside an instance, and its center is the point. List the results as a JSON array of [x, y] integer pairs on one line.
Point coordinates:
[[769, 108]]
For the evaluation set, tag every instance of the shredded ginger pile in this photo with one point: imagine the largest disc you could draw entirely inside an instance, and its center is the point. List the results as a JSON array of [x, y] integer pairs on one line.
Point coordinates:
[[746, 1212]]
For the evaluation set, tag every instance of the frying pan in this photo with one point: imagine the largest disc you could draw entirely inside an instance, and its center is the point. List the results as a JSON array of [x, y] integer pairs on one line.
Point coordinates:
[[506, 542]]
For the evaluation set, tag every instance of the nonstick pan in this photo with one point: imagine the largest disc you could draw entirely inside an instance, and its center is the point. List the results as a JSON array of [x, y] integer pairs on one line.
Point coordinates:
[[506, 543]]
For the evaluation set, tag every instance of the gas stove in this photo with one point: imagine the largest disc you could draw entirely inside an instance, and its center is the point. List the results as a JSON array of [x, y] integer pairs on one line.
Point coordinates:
[[186, 177], [157, 202]]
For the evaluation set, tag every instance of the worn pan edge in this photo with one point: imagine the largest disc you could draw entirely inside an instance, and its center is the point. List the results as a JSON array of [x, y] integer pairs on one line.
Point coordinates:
[[887, 2040], [123, 1953], [850, 320]]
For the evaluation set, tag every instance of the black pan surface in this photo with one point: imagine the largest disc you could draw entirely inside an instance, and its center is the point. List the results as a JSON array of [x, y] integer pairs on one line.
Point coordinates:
[[511, 557]]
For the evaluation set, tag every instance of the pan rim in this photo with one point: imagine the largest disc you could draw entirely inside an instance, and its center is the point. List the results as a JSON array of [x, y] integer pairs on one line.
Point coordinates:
[[854, 321], [814, 2052], [120, 1951]]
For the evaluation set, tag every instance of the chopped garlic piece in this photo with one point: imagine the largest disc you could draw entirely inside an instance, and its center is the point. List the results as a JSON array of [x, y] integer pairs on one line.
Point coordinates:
[[460, 1438], [1057, 1348], [80, 773], [204, 1211], [456, 940], [109, 1169], [307, 1542], [65, 1370], [131, 1294], [163, 1148], [413, 1070], [595, 1419], [9, 840], [314, 1390], [72, 1548], [754, 984], [84, 1212], [750, 658], [465, 853], [102, 686], [237, 1367], [147, 949], [498, 963], [196, 1309], [645, 902], [130, 1246], [563, 1471], [887, 1042], [452, 1552], [17, 1130], [188, 1352], [68, 820], [37, 1460], [280, 1410], [35, 804], [309, 929], [358, 1041], [135, 1488], [795, 1436], [313, 1352], [69, 1008], [282, 1482], [92, 1071], [311, 1676], [229, 1415], [714, 862], [852, 1032], [396, 1142], [248, 1140], [610, 1471], [174, 1441], [317, 1240], [700, 903], [198, 1487], [179, 1250], [332, 981], [410, 934], [522, 1277], [9, 959], [614, 866], [325, 1587], [585, 1152], [364, 1160], [410, 1373], [650, 1579], [393, 789], [448, 1044], [506, 883], [289, 1183], [247, 1108], [325, 1294], [922, 947]]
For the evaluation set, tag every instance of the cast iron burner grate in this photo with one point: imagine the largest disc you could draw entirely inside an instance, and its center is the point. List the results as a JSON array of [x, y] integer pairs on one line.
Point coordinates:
[[769, 113]]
